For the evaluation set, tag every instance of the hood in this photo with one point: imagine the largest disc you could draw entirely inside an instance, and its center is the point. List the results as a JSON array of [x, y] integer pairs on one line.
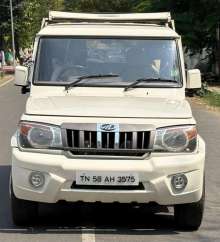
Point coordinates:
[[119, 107]]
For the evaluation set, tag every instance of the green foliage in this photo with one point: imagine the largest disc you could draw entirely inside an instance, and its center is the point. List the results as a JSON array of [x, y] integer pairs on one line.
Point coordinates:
[[98, 5], [143, 6], [5, 26], [28, 15], [212, 99], [34, 12], [204, 90]]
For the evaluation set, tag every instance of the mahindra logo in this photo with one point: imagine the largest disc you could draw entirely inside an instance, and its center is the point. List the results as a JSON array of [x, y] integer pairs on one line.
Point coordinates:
[[114, 128], [107, 127]]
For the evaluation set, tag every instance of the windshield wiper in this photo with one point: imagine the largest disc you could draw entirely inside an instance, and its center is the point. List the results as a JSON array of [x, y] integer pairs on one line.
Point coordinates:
[[136, 82], [81, 78]]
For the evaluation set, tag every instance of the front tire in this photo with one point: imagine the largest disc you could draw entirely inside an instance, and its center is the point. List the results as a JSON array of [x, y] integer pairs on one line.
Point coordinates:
[[189, 216], [23, 212]]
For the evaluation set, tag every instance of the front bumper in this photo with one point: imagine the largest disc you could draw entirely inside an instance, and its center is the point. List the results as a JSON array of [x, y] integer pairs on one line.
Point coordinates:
[[154, 173]]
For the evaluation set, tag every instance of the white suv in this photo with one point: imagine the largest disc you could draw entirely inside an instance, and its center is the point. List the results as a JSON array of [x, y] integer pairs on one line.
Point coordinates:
[[107, 119]]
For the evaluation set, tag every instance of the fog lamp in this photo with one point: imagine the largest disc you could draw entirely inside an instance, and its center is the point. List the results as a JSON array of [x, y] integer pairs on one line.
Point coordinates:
[[37, 179], [179, 182]]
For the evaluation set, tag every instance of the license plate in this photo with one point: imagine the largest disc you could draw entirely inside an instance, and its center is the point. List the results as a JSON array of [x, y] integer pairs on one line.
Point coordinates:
[[107, 178]]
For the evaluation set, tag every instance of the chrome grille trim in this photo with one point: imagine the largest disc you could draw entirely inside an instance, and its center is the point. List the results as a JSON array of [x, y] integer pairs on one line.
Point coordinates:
[[123, 127], [81, 139], [134, 140], [117, 139], [89, 139]]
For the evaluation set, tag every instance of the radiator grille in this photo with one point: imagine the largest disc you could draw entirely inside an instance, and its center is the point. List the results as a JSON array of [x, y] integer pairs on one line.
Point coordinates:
[[122, 143]]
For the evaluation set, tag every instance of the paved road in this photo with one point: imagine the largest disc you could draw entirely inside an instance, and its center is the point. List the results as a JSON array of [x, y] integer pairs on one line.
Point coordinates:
[[64, 223]]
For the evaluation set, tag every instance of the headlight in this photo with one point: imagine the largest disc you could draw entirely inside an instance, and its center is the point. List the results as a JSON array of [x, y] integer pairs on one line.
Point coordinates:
[[39, 136], [176, 139]]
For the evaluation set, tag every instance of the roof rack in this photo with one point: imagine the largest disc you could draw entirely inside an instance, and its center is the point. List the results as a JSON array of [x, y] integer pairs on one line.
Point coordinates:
[[163, 18]]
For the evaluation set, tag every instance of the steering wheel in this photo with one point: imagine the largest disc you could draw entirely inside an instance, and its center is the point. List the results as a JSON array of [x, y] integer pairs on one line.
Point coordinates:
[[69, 71]]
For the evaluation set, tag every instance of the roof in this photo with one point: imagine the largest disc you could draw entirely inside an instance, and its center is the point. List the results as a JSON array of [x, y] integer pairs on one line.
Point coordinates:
[[108, 29]]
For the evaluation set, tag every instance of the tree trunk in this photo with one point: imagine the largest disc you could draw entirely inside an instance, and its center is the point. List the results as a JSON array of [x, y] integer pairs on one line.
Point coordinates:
[[17, 46]]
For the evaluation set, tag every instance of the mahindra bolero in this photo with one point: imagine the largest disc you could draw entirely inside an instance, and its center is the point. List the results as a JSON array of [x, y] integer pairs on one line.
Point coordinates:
[[107, 119]]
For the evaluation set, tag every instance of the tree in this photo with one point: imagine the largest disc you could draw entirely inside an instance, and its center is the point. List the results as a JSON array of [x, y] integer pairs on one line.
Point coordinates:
[[99, 5], [33, 13], [5, 21], [27, 20]]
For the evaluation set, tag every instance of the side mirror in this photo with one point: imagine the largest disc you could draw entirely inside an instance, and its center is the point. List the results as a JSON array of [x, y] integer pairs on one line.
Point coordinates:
[[194, 80], [21, 76]]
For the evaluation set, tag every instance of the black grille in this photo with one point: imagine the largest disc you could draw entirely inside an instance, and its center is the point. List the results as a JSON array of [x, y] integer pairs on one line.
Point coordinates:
[[81, 139], [86, 142]]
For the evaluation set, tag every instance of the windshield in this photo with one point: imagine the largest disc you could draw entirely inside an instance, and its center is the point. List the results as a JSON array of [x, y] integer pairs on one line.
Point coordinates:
[[62, 60]]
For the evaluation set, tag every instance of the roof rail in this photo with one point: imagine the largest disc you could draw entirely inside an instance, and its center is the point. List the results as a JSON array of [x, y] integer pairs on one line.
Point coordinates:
[[163, 18]]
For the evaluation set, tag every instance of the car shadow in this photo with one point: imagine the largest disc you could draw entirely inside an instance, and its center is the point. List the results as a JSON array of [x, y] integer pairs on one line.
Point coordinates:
[[71, 218]]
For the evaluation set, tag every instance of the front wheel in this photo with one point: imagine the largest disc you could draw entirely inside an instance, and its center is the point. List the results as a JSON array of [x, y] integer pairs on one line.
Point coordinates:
[[189, 216], [23, 212]]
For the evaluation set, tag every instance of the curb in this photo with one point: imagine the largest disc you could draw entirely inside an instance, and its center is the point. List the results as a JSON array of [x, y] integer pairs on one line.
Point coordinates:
[[6, 82], [214, 89]]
